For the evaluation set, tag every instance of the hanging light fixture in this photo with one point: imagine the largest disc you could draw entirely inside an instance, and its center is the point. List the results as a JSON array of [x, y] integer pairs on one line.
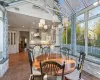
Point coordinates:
[[42, 21], [65, 22], [40, 25], [45, 27]]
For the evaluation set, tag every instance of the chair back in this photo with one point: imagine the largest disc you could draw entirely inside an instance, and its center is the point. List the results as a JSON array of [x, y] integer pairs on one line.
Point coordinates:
[[37, 50], [31, 58], [51, 68], [80, 63], [46, 49], [65, 51]]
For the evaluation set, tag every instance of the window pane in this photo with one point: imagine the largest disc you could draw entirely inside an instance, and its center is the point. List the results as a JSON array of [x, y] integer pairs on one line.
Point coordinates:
[[69, 35], [94, 11], [64, 36], [80, 36], [80, 18], [94, 37]]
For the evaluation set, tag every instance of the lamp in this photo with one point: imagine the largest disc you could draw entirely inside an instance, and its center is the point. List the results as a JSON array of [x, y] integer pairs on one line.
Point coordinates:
[[45, 27], [42, 21], [40, 25], [65, 22]]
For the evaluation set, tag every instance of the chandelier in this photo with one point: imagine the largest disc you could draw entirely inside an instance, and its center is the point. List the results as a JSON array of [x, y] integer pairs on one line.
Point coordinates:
[[65, 22], [42, 24]]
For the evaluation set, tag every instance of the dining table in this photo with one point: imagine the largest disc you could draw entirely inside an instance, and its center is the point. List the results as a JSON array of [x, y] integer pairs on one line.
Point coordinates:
[[69, 62]]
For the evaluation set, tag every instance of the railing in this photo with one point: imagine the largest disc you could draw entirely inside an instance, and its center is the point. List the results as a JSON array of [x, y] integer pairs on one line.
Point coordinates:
[[93, 51]]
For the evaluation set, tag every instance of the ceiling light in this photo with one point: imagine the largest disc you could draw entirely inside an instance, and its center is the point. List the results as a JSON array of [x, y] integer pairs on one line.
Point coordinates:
[[65, 22], [40, 25], [23, 26], [42, 21], [31, 27], [96, 3], [45, 27], [8, 25]]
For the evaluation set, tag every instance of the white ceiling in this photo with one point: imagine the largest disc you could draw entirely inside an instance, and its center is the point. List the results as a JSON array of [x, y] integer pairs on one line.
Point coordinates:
[[16, 20]]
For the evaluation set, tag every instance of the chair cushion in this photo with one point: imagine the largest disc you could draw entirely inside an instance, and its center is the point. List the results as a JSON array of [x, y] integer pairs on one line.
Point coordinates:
[[74, 75], [36, 73], [50, 77]]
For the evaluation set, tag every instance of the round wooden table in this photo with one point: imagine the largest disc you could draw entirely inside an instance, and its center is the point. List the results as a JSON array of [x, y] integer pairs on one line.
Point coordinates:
[[69, 63]]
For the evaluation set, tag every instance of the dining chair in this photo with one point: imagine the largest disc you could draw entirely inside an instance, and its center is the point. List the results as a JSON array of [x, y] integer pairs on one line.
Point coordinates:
[[37, 50], [76, 74], [50, 69], [65, 51], [46, 49], [34, 73]]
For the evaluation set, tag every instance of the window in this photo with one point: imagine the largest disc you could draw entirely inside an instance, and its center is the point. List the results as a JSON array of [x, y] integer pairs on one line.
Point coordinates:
[[94, 11], [64, 36], [69, 33], [94, 37], [80, 36], [80, 18]]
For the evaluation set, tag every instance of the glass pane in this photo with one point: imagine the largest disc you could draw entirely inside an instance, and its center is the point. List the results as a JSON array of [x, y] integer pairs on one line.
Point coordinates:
[[11, 38], [1, 38], [94, 37], [94, 11], [80, 18], [14, 38], [64, 36], [80, 36], [8, 38], [69, 35]]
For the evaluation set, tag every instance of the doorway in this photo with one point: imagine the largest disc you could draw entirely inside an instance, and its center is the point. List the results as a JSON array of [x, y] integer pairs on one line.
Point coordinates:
[[24, 41]]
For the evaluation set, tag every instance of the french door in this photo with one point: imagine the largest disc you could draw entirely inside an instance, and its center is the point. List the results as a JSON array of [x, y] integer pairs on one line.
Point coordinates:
[[12, 42]]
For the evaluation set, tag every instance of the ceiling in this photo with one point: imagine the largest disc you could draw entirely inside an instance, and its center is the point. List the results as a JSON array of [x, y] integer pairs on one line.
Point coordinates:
[[65, 7], [16, 20]]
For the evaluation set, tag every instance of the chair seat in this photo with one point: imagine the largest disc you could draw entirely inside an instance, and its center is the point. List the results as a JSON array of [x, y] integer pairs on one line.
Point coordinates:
[[36, 73], [74, 75], [50, 77]]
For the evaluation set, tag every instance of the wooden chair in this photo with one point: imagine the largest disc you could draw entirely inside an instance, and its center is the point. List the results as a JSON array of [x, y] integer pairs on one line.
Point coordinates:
[[65, 51], [37, 50], [46, 49], [49, 70], [76, 75], [34, 73]]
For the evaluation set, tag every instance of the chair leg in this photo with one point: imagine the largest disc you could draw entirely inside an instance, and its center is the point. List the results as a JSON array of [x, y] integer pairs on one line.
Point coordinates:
[[79, 76]]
